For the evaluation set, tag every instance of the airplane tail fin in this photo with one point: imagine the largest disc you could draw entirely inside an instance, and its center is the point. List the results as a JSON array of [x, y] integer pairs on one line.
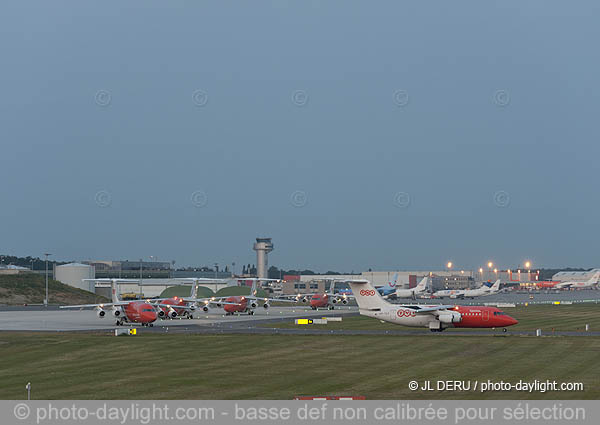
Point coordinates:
[[422, 286], [194, 290], [496, 286], [367, 297], [595, 278], [332, 287], [393, 283], [114, 291], [253, 290]]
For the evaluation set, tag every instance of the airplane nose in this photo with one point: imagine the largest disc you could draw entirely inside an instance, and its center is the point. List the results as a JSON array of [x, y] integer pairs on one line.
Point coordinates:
[[512, 321]]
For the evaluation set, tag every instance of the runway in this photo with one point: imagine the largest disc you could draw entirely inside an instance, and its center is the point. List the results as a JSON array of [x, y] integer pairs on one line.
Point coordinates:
[[39, 319]]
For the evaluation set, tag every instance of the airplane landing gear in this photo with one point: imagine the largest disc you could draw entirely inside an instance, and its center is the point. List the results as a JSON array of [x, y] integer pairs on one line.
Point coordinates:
[[330, 307], [251, 312], [504, 330], [313, 307], [151, 324], [190, 316], [119, 323]]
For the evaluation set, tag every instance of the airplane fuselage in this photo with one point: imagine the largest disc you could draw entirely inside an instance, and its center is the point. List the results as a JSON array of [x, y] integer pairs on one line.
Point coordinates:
[[139, 312], [458, 317]]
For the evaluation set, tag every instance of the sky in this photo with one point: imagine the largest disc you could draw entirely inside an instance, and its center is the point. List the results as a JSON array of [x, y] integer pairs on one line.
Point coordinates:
[[384, 135]]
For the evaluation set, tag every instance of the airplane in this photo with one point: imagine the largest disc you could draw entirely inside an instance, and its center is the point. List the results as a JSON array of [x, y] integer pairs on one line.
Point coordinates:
[[321, 300], [389, 288], [123, 311], [185, 306], [421, 288], [435, 317], [593, 281], [482, 291], [246, 303]]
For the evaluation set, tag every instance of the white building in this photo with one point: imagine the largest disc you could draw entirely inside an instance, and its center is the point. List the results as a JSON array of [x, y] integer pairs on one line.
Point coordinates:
[[73, 274]]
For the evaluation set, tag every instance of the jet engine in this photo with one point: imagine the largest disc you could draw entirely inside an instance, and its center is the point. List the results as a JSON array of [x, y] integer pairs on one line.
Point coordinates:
[[172, 314], [334, 301], [449, 317], [205, 308], [304, 300], [344, 301], [266, 306], [100, 313], [161, 314], [252, 304], [116, 311]]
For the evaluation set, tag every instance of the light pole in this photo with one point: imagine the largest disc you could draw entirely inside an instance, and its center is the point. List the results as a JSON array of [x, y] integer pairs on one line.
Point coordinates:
[[141, 281], [216, 272], [28, 388], [47, 254]]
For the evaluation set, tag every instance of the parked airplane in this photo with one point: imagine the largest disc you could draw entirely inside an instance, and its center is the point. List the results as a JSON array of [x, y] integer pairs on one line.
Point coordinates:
[[247, 303], [435, 317], [323, 300], [593, 281], [421, 288], [185, 306], [389, 288], [123, 311], [482, 291]]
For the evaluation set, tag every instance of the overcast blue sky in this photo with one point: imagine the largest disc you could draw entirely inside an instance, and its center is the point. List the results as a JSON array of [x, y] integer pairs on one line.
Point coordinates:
[[356, 134]]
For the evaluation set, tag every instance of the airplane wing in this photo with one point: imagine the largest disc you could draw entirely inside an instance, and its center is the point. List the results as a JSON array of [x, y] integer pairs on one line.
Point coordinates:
[[207, 301], [96, 305], [428, 309], [282, 300]]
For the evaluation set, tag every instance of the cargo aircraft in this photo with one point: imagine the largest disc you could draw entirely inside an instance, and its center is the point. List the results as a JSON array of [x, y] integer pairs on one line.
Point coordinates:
[[327, 299], [421, 288], [246, 303], [123, 312], [482, 291], [593, 281], [435, 317]]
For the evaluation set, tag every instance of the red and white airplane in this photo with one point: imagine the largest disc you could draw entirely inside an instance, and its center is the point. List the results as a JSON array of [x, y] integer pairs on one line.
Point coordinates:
[[247, 303], [593, 281], [324, 300], [435, 317], [171, 308], [122, 311]]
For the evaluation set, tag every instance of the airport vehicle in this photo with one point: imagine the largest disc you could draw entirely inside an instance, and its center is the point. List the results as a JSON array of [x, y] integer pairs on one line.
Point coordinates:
[[482, 291], [435, 317], [420, 289], [389, 288], [324, 300], [593, 281], [122, 311]]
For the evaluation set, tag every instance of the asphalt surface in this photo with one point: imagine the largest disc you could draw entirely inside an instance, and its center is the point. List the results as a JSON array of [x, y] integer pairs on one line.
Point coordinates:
[[53, 319]]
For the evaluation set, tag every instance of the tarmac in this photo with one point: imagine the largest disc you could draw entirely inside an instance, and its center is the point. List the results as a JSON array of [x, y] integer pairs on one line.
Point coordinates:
[[37, 318], [53, 319]]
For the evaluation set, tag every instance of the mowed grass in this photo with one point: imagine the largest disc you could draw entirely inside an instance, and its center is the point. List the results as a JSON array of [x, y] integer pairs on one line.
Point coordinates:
[[546, 317], [181, 366]]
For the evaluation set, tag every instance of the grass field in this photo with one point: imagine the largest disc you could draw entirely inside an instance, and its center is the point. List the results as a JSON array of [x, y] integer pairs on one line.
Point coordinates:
[[29, 288], [546, 317], [159, 366]]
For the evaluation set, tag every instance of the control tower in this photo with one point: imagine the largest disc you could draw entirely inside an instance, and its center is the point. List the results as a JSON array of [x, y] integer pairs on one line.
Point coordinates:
[[262, 247]]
